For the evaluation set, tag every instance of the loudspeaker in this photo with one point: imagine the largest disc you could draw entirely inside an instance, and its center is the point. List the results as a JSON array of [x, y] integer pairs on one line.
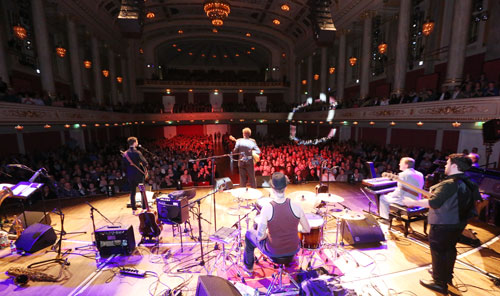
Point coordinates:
[[224, 183], [36, 237], [112, 240], [172, 211], [263, 181], [32, 218], [210, 285], [491, 131], [362, 231]]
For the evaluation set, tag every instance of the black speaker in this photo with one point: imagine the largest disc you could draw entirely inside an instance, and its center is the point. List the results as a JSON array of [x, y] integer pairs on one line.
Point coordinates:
[[36, 237], [263, 181], [32, 218], [172, 211], [112, 240], [364, 231], [491, 131], [210, 285]]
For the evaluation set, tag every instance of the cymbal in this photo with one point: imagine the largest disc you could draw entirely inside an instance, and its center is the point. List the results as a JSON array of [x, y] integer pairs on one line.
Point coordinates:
[[307, 200], [328, 197], [304, 195], [246, 193], [237, 212], [349, 215]]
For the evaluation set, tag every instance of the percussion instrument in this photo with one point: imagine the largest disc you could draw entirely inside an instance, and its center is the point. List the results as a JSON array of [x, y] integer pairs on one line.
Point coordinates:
[[349, 215], [245, 193], [330, 198], [312, 240], [261, 202], [306, 199]]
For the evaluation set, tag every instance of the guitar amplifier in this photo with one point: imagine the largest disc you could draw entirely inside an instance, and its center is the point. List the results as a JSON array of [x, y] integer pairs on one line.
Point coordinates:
[[112, 240], [172, 211]]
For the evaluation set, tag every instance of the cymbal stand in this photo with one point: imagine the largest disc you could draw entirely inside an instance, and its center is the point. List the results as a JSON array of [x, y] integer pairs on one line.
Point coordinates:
[[339, 246]]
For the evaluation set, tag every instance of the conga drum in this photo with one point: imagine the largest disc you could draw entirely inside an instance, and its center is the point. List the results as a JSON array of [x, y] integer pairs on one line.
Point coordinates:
[[312, 240]]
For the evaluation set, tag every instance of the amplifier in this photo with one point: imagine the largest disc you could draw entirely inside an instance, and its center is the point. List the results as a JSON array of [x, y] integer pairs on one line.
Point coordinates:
[[112, 240], [172, 211]]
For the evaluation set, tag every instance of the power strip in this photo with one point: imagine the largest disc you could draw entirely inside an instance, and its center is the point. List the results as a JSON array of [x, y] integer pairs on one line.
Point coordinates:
[[133, 272]]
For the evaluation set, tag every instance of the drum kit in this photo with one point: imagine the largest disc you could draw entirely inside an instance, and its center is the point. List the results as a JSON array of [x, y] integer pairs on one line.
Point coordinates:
[[319, 208]]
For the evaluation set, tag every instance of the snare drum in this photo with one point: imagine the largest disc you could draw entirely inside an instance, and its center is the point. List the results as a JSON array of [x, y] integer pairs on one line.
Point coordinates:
[[312, 240]]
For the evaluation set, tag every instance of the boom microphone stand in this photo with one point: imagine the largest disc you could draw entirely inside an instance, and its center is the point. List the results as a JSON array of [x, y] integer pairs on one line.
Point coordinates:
[[92, 209], [200, 239]]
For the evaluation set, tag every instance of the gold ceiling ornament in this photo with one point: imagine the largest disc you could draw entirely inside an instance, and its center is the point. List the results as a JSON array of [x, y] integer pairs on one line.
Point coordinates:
[[217, 11], [316, 76], [331, 70], [427, 27], [150, 15], [105, 73], [20, 32], [382, 48], [119, 79], [285, 7], [456, 124]]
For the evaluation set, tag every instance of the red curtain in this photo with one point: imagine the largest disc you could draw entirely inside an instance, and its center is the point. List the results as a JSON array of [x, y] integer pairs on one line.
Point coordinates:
[[190, 130], [413, 138], [450, 141]]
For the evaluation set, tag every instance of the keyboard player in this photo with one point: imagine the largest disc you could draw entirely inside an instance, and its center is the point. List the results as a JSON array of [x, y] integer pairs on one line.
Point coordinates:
[[409, 175]]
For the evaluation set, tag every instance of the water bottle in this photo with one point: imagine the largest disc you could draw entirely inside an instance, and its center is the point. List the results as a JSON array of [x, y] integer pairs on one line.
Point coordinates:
[[13, 248]]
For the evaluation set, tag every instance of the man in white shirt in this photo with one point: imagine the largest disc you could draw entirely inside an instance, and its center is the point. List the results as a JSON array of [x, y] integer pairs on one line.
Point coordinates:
[[278, 227], [409, 175]]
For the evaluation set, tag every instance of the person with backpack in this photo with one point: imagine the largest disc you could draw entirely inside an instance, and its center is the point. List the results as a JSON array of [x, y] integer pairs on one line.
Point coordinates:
[[451, 205]]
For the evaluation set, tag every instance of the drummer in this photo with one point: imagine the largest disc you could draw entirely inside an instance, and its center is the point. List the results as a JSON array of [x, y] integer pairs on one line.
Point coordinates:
[[276, 234]]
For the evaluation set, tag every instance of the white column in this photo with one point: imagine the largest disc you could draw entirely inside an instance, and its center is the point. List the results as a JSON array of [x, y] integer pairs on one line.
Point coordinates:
[[341, 65], [76, 62], [4, 71], [459, 32], [112, 75], [364, 88], [323, 74], [96, 67], [44, 50], [309, 76], [402, 47]]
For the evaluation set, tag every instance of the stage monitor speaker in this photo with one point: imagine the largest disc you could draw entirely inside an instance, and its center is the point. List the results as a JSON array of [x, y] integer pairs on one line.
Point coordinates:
[[210, 285], [224, 183], [172, 211], [491, 131], [36, 237], [364, 231], [263, 181], [112, 240], [32, 218]]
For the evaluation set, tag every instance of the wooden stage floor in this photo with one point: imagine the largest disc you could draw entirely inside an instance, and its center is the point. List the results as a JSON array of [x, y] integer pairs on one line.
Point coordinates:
[[393, 267]]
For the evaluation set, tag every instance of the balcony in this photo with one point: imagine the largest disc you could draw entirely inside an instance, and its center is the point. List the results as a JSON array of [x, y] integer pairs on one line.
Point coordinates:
[[463, 110]]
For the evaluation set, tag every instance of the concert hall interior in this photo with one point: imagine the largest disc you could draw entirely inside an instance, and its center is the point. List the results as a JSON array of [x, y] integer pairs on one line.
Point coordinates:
[[171, 147]]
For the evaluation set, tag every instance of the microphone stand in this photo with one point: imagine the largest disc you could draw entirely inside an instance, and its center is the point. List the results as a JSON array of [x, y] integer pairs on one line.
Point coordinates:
[[59, 256], [92, 209], [200, 239], [370, 202], [212, 177]]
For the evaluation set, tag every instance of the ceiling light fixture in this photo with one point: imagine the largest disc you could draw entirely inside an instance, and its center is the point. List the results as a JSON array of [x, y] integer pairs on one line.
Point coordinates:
[[217, 11]]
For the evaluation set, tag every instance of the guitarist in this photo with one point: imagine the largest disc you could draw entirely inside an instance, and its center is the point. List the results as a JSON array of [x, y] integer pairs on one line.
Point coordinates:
[[451, 204], [134, 164], [245, 146]]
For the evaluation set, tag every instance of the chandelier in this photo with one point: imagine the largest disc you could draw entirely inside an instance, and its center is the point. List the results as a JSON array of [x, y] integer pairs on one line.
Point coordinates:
[[61, 51], [382, 48], [427, 27], [217, 11], [353, 61], [20, 32]]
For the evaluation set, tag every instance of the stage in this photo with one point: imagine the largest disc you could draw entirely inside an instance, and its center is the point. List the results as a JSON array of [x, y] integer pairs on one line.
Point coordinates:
[[391, 267]]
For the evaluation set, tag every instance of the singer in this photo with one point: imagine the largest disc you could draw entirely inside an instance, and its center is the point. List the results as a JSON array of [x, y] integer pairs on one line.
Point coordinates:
[[134, 164], [245, 146]]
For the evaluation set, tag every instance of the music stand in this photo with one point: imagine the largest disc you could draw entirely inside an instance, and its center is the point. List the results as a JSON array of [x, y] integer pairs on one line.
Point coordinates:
[[22, 191]]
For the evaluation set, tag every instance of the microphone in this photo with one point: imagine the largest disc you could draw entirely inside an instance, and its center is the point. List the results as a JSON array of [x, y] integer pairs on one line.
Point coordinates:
[[35, 175], [21, 166]]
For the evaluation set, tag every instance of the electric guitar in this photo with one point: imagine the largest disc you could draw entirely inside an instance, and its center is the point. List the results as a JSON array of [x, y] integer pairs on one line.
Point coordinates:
[[255, 156], [149, 225], [395, 177], [143, 170]]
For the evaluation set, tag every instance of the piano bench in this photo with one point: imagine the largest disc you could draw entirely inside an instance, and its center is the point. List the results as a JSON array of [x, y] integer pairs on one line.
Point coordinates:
[[408, 215]]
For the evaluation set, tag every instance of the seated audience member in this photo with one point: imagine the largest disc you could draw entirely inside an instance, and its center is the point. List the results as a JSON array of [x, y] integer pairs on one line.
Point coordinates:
[[341, 177]]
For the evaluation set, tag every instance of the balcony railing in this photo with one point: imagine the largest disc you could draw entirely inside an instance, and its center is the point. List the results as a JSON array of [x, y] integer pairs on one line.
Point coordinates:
[[464, 110]]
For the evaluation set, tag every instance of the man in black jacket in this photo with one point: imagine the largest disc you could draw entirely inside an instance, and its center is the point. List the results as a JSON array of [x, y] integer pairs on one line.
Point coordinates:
[[450, 206], [134, 164]]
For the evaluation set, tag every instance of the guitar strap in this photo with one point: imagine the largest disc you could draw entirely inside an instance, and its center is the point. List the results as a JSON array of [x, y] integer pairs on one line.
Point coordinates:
[[125, 154]]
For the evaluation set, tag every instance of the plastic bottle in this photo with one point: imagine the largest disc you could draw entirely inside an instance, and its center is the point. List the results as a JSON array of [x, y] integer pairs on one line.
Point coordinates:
[[13, 248]]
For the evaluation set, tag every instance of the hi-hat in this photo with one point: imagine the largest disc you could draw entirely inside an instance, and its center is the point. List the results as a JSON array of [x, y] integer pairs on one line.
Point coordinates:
[[245, 193], [328, 197]]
